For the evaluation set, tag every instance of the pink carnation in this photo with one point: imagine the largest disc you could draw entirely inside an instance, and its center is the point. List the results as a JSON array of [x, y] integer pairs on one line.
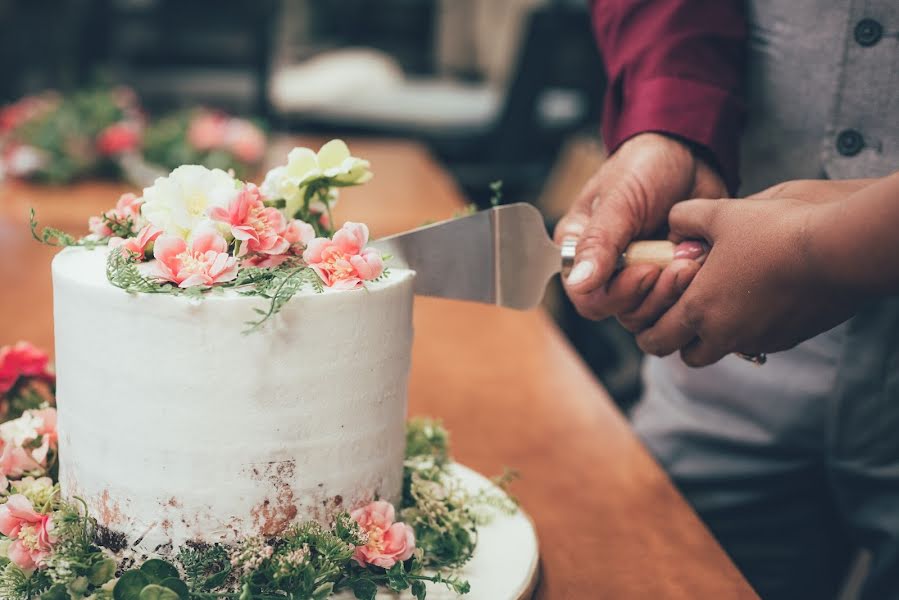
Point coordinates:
[[22, 360], [31, 532], [259, 228], [205, 262], [388, 542], [343, 262], [118, 138], [137, 245]]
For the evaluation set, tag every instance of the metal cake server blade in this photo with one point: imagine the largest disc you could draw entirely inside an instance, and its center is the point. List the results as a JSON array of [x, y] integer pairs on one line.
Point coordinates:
[[499, 256]]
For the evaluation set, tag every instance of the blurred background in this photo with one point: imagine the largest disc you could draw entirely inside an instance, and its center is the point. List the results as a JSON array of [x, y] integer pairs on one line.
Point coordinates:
[[496, 89]]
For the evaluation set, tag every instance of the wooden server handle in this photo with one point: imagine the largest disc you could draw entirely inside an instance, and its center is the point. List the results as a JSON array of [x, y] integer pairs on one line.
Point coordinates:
[[648, 252]]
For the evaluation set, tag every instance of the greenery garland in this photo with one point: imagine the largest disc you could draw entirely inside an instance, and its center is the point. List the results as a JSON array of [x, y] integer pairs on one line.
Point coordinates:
[[307, 562]]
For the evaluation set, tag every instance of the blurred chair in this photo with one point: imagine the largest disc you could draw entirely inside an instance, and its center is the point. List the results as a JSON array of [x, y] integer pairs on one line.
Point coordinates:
[[176, 53], [512, 79]]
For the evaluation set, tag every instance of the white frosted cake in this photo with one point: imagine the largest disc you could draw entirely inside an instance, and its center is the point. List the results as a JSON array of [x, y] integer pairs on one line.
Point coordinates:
[[227, 435]]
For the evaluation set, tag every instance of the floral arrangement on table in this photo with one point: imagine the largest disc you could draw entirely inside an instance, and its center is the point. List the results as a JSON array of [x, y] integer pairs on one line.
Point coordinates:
[[103, 132], [56, 138], [206, 137], [201, 230], [51, 549]]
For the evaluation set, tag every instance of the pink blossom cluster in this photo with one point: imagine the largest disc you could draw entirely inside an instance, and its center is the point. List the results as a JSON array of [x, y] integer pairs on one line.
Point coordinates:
[[209, 130], [246, 232]]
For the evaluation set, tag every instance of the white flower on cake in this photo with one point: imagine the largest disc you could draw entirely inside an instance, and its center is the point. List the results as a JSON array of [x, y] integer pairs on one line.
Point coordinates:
[[179, 204], [333, 165], [21, 430]]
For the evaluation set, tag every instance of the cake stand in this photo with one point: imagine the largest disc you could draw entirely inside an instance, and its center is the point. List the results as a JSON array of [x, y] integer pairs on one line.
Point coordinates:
[[505, 562]]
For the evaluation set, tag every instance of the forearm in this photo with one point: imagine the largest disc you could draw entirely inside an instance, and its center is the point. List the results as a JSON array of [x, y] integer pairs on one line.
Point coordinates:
[[854, 243], [674, 67]]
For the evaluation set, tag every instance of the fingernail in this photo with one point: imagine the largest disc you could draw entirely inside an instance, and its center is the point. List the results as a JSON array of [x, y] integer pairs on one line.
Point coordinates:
[[647, 282], [581, 272], [681, 281], [574, 230], [691, 250]]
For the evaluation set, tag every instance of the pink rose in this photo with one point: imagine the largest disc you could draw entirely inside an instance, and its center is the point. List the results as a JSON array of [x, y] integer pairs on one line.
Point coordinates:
[[207, 131], [343, 262], [22, 360], [259, 228], [205, 262], [31, 532], [388, 542], [244, 140], [137, 246], [118, 138]]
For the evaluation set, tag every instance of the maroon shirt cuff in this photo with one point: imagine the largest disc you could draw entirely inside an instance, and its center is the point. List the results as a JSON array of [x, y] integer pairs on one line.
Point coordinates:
[[675, 67], [694, 111]]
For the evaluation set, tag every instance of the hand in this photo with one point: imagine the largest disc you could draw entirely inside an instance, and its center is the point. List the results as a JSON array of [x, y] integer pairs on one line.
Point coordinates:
[[629, 198], [759, 289]]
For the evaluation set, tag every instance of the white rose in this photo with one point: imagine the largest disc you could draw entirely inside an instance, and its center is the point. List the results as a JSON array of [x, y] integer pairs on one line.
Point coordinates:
[[179, 204]]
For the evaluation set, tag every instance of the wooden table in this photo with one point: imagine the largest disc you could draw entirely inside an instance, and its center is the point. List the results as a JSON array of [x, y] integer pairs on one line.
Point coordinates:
[[507, 384]]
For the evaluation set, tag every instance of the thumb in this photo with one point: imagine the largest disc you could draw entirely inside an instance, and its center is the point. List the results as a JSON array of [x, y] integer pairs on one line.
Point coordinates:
[[610, 228], [694, 219]]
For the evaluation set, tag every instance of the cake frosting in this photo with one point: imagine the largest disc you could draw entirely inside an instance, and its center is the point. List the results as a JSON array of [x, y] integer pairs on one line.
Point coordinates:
[[175, 426]]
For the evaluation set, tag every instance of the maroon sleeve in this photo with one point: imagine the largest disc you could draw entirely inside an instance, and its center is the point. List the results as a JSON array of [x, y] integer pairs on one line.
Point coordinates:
[[675, 67]]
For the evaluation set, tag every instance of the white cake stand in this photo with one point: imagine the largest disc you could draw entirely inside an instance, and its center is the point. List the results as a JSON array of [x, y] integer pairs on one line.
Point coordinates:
[[504, 564]]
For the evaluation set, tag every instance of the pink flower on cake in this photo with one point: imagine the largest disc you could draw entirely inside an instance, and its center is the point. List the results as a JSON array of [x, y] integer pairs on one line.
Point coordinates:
[[22, 360], [299, 234], [31, 532], [15, 461], [118, 138], [388, 542], [137, 246], [205, 262], [343, 262], [258, 228], [127, 207]]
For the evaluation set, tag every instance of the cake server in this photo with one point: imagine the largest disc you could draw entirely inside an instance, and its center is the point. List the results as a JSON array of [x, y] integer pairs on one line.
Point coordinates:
[[499, 256]]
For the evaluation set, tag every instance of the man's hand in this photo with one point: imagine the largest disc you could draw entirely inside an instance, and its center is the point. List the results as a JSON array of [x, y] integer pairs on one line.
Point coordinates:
[[627, 199], [758, 290]]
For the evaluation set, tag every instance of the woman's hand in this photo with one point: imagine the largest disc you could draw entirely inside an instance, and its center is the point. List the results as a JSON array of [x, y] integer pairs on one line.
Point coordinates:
[[761, 287]]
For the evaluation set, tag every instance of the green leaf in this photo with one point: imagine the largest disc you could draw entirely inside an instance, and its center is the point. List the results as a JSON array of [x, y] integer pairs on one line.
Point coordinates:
[[213, 581], [365, 589], [102, 572], [129, 586], [323, 591], [57, 592], [396, 578], [177, 586], [157, 570], [419, 590], [157, 592]]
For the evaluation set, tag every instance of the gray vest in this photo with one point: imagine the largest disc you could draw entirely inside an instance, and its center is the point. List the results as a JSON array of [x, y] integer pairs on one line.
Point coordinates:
[[824, 102], [823, 91]]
